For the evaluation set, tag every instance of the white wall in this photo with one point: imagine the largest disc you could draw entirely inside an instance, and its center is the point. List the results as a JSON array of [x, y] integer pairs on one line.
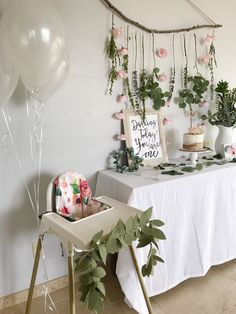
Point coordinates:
[[79, 129]]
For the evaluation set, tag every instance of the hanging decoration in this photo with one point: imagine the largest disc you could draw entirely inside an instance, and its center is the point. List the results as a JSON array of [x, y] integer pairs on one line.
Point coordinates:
[[144, 28]]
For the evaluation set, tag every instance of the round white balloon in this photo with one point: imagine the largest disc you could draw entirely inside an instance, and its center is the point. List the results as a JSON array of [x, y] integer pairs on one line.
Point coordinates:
[[35, 38]]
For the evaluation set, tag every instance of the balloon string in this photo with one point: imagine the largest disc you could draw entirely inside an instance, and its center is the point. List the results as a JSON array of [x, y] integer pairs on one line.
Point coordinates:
[[31, 143], [18, 160]]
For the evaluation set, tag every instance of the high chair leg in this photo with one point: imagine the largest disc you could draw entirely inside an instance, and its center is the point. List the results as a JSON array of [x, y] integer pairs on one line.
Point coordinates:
[[71, 275], [33, 277], [140, 278]]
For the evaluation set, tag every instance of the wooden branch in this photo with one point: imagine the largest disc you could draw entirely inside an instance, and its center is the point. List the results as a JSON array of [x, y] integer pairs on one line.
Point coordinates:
[[152, 30]]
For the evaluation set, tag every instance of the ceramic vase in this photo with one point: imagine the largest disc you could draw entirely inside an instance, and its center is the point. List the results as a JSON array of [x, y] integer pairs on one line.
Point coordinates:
[[225, 136]]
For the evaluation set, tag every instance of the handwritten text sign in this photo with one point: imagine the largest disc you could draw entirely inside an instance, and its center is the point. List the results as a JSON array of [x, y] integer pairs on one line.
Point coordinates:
[[145, 136]]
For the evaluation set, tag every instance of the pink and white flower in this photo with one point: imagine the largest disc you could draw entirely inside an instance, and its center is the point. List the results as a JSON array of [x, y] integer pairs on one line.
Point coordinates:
[[205, 59], [122, 98], [166, 121], [162, 53], [204, 104], [167, 103], [209, 39], [122, 74], [117, 32], [162, 77], [119, 115], [199, 129], [121, 137], [123, 51]]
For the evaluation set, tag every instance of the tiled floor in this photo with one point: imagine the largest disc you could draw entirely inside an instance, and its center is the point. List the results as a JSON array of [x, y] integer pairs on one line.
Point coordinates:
[[213, 294]]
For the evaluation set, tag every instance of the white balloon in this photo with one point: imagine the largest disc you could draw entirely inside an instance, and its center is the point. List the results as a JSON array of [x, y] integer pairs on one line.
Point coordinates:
[[55, 81], [35, 37], [8, 75]]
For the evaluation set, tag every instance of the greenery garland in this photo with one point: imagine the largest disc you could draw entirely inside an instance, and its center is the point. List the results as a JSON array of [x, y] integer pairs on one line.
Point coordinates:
[[212, 63], [172, 70], [91, 263], [113, 55], [120, 162], [185, 70]]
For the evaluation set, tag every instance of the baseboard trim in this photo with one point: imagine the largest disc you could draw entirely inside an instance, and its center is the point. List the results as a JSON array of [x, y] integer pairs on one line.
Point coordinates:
[[21, 296]]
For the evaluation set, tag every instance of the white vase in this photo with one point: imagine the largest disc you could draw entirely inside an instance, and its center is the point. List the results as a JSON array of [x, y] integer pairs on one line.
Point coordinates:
[[225, 136]]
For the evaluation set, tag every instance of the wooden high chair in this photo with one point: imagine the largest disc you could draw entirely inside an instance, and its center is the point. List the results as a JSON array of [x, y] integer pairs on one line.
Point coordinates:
[[77, 235]]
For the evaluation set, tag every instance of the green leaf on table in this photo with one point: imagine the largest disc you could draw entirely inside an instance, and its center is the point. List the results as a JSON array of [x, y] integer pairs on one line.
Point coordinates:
[[187, 169], [217, 156], [172, 173], [199, 167]]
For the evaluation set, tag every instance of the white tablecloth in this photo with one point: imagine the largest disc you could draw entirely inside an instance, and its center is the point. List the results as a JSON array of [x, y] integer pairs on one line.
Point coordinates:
[[199, 211]]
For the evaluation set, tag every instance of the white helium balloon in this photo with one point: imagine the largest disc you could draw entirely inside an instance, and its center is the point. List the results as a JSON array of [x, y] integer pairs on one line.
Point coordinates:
[[8, 75], [55, 80], [35, 38]]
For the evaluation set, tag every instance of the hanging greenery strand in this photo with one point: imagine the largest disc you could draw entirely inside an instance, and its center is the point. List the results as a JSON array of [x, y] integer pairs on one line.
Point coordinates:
[[185, 70], [196, 58], [135, 79], [212, 63], [114, 58], [126, 69], [143, 78], [172, 70], [168, 31]]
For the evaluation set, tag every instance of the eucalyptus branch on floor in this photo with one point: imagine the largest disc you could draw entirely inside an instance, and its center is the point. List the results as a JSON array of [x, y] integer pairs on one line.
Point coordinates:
[[91, 263], [120, 162]]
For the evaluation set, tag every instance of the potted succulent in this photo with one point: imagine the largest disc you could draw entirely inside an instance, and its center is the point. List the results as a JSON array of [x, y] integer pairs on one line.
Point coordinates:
[[225, 115], [189, 98]]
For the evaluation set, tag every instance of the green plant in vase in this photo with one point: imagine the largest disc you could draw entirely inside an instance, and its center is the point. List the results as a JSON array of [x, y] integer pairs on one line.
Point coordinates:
[[189, 98], [225, 115]]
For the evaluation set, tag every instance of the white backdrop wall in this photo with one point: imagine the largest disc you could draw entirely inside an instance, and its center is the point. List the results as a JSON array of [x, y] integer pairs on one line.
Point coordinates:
[[78, 123]]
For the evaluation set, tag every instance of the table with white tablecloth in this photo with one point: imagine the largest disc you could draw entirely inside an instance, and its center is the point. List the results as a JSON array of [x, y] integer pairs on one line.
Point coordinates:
[[199, 211]]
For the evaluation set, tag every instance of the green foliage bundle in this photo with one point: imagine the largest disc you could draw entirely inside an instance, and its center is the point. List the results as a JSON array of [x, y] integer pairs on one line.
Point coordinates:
[[193, 94], [151, 89], [91, 263], [225, 106], [114, 58], [120, 161]]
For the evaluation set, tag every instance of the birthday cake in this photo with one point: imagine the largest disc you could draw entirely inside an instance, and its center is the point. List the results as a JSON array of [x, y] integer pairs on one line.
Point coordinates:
[[193, 142]]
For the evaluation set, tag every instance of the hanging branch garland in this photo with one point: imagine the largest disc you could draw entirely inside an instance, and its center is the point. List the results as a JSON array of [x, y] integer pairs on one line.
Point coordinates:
[[195, 49], [150, 30], [212, 63], [135, 80], [143, 79], [113, 55], [185, 70], [125, 66], [172, 70]]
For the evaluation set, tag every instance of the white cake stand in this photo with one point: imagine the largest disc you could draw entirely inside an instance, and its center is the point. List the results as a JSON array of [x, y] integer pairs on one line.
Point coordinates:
[[193, 155]]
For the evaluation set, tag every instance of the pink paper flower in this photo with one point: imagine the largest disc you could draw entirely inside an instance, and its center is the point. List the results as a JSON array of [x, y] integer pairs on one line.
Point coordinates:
[[121, 137], [123, 51], [199, 129], [117, 32], [122, 74], [162, 77], [162, 53], [122, 98], [204, 104], [209, 39], [205, 59], [119, 115], [166, 121], [167, 103]]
